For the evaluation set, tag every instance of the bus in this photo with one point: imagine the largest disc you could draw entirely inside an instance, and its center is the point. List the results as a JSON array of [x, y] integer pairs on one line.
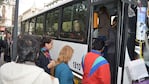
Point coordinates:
[[77, 23]]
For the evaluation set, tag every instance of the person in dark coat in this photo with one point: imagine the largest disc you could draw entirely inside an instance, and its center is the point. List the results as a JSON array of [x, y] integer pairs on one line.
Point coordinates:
[[2, 46], [104, 22], [111, 43], [44, 60], [8, 43], [112, 35]]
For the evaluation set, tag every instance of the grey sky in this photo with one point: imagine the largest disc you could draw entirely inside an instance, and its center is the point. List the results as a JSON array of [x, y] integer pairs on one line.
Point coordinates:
[[26, 4]]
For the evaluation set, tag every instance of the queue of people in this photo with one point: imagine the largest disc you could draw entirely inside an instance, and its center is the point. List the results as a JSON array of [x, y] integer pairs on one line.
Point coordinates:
[[42, 69], [37, 69], [61, 68]]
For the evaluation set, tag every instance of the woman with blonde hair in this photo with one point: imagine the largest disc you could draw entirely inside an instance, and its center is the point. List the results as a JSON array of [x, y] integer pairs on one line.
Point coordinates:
[[62, 70]]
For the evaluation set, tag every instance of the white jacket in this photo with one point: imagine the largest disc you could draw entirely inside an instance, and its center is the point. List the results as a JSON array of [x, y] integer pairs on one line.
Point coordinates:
[[15, 73]]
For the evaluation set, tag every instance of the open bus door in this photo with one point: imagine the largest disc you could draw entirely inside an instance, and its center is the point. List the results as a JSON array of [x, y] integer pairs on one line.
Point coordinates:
[[113, 8], [130, 13], [131, 43]]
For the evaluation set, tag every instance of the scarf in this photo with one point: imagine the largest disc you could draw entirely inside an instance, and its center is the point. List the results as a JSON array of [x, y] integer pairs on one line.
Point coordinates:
[[45, 51]]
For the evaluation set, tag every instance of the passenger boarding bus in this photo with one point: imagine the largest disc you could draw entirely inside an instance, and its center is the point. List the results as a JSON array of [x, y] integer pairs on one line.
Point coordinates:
[[78, 23]]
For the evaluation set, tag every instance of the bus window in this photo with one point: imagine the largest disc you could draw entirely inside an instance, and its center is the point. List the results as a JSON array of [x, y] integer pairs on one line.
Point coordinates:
[[67, 22], [22, 27], [39, 25], [26, 26], [52, 23], [32, 26], [74, 21], [77, 33], [79, 23]]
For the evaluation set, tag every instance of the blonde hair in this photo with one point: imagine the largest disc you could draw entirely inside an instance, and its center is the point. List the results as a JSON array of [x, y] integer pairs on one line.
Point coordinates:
[[65, 54]]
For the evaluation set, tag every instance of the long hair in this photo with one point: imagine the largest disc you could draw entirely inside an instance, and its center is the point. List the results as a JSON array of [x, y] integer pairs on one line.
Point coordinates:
[[65, 54]]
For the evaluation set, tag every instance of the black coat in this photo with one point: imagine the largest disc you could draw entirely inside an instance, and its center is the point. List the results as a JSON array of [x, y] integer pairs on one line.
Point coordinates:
[[2, 45], [111, 42], [42, 61], [7, 48], [7, 52]]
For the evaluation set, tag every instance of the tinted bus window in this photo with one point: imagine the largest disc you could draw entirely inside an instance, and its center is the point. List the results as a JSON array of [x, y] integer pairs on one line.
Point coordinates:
[[52, 23], [39, 25], [67, 22], [22, 27], [32, 26], [74, 21], [26, 26], [79, 21]]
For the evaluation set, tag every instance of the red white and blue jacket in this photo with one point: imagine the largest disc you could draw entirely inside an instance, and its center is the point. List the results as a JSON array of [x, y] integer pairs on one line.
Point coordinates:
[[96, 69]]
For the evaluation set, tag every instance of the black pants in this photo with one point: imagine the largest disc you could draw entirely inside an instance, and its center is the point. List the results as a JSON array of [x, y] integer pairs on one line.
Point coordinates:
[[112, 61], [7, 58]]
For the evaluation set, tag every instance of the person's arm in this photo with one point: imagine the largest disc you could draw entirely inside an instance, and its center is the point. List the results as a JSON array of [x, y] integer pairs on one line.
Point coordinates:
[[51, 64]]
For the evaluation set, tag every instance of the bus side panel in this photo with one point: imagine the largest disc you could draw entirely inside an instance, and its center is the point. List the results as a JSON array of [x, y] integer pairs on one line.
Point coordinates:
[[127, 79], [79, 51]]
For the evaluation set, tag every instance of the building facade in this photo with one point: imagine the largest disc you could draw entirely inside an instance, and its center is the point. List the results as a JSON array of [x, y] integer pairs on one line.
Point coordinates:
[[7, 14]]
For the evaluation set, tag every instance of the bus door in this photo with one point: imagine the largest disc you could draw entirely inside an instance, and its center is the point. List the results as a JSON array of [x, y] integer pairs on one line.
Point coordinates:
[[105, 26], [131, 42]]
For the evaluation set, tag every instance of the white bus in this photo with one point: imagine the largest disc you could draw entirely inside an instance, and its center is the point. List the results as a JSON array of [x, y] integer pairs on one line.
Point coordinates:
[[76, 23]]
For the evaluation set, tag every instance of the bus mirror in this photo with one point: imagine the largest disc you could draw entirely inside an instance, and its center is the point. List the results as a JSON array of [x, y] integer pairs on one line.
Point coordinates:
[[95, 20]]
